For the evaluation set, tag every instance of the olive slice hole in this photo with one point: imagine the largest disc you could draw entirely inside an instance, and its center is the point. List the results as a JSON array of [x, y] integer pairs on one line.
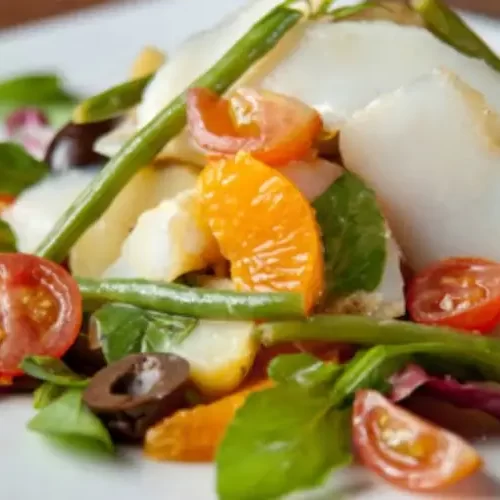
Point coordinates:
[[140, 381]]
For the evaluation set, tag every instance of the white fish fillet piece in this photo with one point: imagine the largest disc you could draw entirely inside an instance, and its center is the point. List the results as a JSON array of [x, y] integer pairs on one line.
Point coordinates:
[[169, 240], [100, 245], [37, 209], [431, 151], [336, 67]]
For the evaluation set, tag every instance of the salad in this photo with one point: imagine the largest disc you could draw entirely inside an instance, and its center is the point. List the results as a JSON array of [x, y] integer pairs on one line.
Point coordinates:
[[255, 251]]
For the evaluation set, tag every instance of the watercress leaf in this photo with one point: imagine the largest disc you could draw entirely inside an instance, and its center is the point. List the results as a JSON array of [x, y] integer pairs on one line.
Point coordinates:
[[57, 113], [33, 90], [18, 170], [370, 369], [283, 439], [373, 368], [123, 329], [52, 370], [354, 236], [69, 421], [45, 394], [7, 238], [302, 369]]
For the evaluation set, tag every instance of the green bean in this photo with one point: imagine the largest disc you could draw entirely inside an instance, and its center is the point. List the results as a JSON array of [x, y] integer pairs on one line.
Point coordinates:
[[194, 302], [146, 143], [449, 27], [367, 331], [372, 368], [112, 102]]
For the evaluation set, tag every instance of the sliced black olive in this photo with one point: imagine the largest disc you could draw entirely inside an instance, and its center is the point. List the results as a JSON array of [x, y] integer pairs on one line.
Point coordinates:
[[73, 145], [132, 394]]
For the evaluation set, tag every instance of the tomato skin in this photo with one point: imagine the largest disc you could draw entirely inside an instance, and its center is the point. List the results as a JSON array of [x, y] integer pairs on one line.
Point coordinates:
[[5, 201], [40, 310], [462, 293], [274, 128], [406, 450]]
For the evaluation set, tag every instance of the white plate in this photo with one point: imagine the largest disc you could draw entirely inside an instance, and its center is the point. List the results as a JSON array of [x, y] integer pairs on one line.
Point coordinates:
[[94, 50]]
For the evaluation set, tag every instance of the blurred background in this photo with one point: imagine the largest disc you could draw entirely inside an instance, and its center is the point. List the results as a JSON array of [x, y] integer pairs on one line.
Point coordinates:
[[17, 12], [91, 43]]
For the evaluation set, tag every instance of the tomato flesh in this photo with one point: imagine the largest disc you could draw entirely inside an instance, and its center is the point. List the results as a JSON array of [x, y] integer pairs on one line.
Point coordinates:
[[462, 293], [274, 128], [40, 310], [406, 450]]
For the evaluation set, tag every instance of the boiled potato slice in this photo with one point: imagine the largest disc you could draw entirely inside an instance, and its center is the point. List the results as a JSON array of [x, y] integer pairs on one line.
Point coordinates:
[[220, 354], [168, 241], [100, 245]]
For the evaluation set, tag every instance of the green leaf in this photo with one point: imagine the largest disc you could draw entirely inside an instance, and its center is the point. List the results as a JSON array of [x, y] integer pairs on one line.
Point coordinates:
[[354, 236], [46, 394], [302, 369], [452, 29], [283, 439], [57, 114], [7, 238], [18, 170], [124, 329], [371, 369], [69, 421], [52, 370], [45, 91], [34, 90]]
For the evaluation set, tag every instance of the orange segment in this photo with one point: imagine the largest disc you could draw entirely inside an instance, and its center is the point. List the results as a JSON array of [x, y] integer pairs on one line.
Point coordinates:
[[193, 435], [264, 227]]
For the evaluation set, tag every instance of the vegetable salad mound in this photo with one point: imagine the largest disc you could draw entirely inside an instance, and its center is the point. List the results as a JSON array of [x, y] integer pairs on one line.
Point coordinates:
[[249, 256]]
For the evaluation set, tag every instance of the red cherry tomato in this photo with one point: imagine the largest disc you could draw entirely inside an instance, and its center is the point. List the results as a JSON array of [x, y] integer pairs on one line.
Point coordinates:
[[462, 293], [406, 450], [275, 128], [5, 201], [40, 310]]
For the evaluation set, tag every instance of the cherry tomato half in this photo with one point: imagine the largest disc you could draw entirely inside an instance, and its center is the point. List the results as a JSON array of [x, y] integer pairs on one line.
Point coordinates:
[[406, 450], [462, 293], [40, 310], [275, 128]]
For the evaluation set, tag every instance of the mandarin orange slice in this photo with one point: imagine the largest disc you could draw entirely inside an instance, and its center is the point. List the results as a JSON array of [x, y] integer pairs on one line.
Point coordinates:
[[193, 435], [264, 226]]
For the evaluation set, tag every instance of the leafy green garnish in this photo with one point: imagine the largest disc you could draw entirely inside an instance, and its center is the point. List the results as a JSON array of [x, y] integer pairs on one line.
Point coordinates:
[[289, 437], [354, 236], [303, 369], [46, 394], [452, 29], [7, 238], [52, 370], [34, 89], [45, 91], [124, 329], [18, 169], [283, 439], [70, 422]]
